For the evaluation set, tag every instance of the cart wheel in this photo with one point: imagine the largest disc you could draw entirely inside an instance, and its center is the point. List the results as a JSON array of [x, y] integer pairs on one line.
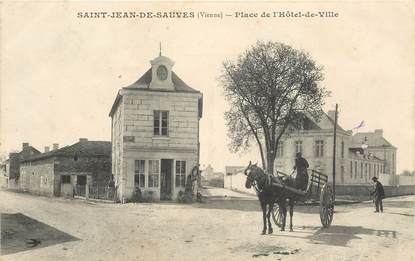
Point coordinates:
[[277, 215], [326, 205]]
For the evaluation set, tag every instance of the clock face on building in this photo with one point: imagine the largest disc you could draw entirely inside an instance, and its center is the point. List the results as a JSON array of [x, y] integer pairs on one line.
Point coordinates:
[[162, 72]]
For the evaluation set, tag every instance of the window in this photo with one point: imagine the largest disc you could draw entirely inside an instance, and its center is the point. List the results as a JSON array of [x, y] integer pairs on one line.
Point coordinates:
[[66, 179], [140, 176], [355, 169], [180, 173], [342, 149], [153, 173], [370, 170], [351, 169], [161, 123], [319, 148], [361, 169], [365, 169], [280, 149], [298, 146]]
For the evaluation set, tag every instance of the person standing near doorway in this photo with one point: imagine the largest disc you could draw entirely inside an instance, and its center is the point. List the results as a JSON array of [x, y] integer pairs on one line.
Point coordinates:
[[301, 165], [379, 195]]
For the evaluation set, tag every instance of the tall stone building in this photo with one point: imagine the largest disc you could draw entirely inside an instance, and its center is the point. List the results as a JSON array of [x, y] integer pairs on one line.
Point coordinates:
[[155, 133], [359, 157]]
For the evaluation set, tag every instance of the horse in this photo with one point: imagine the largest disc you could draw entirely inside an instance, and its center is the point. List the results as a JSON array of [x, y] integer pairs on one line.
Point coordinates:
[[268, 195]]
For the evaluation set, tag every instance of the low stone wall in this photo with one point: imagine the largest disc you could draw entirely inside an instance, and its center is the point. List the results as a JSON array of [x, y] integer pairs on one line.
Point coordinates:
[[363, 192]]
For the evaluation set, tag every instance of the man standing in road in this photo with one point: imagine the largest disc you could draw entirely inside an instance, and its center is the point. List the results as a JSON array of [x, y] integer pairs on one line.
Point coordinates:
[[301, 165], [379, 194]]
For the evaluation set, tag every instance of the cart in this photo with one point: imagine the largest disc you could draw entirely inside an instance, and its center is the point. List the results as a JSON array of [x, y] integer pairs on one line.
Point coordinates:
[[318, 191]]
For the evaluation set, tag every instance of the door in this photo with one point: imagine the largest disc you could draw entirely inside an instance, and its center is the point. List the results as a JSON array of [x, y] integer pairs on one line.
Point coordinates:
[[80, 185], [166, 179]]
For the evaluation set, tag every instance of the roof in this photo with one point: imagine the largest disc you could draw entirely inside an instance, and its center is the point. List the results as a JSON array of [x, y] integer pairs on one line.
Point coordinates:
[[81, 149], [325, 122], [143, 84], [372, 139], [25, 153]]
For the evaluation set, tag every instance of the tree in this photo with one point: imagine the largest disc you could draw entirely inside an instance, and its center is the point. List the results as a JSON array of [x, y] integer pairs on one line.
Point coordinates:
[[270, 89]]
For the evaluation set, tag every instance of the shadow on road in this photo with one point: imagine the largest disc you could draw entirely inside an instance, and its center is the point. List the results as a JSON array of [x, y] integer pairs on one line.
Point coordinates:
[[338, 235], [21, 233], [248, 205], [398, 204]]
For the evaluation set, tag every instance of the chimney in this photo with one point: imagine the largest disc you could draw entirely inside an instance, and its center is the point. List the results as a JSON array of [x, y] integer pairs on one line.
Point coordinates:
[[55, 146], [379, 132], [332, 114], [25, 145], [47, 148], [83, 139]]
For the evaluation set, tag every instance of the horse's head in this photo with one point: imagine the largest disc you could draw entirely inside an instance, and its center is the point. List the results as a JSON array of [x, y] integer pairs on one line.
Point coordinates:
[[252, 173]]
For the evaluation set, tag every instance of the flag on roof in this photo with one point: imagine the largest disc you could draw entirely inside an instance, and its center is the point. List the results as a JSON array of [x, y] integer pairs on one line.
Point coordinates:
[[362, 124]]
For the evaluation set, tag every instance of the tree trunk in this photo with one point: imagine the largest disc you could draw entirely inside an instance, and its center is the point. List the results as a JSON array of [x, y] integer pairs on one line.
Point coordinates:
[[270, 163]]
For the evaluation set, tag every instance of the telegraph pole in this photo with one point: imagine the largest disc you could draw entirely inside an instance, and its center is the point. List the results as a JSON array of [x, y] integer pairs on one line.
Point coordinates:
[[334, 153]]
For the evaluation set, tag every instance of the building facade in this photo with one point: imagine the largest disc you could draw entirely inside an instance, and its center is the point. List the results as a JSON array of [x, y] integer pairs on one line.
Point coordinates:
[[359, 157], [155, 133], [12, 164], [71, 169]]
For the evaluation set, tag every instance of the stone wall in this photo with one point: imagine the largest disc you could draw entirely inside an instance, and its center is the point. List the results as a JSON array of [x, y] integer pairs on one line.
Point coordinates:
[[406, 180], [98, 167], [117, 144], [38, 177], [363, 192], [237, 182], [183, 119], [13, 166]]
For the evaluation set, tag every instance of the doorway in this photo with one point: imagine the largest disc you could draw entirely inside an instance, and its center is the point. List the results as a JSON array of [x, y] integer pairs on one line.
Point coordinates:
[[166, 179], [80, 185]]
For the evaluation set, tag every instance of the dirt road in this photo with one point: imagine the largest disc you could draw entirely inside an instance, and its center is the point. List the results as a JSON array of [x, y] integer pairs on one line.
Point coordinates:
[[226, 227]]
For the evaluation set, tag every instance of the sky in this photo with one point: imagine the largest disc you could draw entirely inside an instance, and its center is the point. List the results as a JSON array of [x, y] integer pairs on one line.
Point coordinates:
[[59, 74]]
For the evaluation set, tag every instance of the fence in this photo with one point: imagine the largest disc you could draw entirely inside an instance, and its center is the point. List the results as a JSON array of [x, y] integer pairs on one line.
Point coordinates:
[[95, 191]]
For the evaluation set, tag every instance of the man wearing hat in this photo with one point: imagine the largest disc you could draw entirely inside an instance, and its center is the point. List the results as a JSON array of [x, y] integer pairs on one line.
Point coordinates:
[[301, 165], [379, 194]]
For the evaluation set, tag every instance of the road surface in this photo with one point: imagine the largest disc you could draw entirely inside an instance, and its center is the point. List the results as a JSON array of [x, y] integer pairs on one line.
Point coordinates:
[[226, 227]]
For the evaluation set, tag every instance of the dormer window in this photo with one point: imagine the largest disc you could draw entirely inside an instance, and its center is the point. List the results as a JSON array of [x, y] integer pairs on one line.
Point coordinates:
[[161, 75], [162, 72]]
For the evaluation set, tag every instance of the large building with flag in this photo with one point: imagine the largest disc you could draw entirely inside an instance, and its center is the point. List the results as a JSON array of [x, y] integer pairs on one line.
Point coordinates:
[[359, 156]]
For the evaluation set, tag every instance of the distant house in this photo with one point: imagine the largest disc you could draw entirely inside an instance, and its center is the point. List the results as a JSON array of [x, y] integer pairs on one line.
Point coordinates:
[[12, 164], [211, 178], [359, 157], [71, 168]]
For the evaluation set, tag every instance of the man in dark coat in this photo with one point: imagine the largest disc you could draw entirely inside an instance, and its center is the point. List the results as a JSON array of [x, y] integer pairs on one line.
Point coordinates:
[[378, 194], [301, 165]]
